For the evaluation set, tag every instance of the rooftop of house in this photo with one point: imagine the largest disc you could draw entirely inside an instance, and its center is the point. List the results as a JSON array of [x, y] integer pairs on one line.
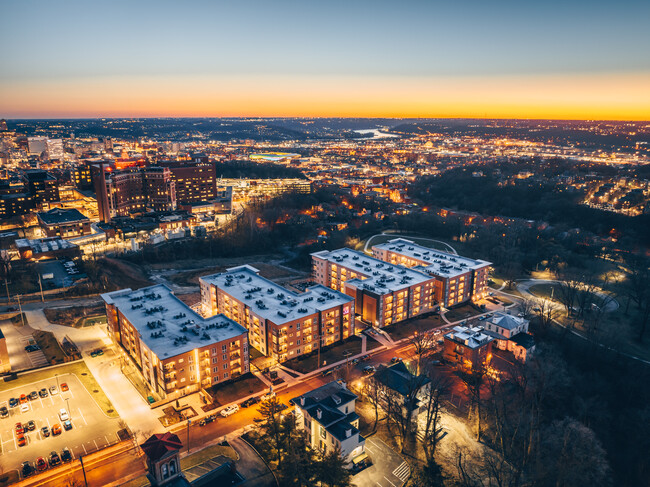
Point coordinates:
[[60, 215], [525, 340], [470, 337], [507, 321], [434, 261], [326, 401], [166, 324], [272, 301], [378, 276], [159, 445], [398, 378]]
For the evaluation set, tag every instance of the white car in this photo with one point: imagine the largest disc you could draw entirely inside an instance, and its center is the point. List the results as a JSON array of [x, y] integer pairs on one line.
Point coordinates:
[[54, 390], [63, 414], [229, 410], [24, 408]]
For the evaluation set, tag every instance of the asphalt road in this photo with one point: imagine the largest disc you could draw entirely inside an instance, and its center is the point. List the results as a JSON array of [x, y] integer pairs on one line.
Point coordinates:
[[388, 468], [91, 429]]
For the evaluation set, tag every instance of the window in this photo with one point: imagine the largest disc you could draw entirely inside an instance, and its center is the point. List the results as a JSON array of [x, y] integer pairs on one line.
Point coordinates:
[[214, 360], [225, 366], [215, 370], [297, 326], [225, 357], [223, 348], [214, 351], [323, 433], [225, 375]]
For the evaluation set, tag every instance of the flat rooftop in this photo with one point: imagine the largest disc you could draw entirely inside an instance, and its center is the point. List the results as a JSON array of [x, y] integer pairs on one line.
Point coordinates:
[[272, 301], [439, 263], [470, 337], [40, 246], [166, 324], [379, 276]]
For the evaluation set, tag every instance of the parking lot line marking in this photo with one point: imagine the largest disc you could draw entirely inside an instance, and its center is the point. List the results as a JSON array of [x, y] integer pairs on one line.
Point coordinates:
[[390, 482], [107, 440], [2, 450], [95, 442], [84, 447], [82, 416], [368, 448]]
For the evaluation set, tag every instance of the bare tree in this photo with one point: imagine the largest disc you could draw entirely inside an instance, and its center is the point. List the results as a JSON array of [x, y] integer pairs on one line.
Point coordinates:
[[372, 394], [433, 431], [422, 343], [473, 382], [526, 305]]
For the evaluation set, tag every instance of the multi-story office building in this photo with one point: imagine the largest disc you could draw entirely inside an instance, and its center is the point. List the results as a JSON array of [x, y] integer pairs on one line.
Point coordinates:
[[384, 293], [281, 323], [177, 350], [82, 176], [64, 223], [41, 185], [458, 279], [133, 190]]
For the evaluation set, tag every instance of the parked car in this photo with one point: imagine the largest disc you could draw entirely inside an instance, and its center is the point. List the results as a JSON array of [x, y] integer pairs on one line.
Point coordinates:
[[4, 412], [27, 469], [97, 352], [206, 420], [45, 431], [54, 390], [369, 369], [43, 392], [30, 426], [355, 361], [67, 425], [23, 399], [66, 456], [249, 402], [22, 441], [56, 429], [436, 362], [394, 360], [63, 414], [64, 387], [32, 348], [229, 410], [54, 459], [365, 357], [267, 396], [13, 402], [24, 408], [18, 429], [41, 464], [33, 396], [327, 372]]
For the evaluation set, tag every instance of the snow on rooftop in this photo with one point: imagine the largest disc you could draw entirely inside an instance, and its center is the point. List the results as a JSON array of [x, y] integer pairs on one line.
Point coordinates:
[[272, 301], [376, 275], [434, 261], [166, 324], [470, 337]]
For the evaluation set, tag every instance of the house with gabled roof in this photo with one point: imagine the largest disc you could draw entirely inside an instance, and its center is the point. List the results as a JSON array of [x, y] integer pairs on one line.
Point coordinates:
[[328, 416]]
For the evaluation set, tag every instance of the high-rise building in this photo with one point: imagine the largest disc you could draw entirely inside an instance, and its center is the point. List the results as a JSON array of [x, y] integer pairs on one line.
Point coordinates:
[[132, 190], [41, 185]]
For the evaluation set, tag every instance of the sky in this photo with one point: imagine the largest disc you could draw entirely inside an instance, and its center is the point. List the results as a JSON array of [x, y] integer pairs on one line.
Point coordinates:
[[507, 59]]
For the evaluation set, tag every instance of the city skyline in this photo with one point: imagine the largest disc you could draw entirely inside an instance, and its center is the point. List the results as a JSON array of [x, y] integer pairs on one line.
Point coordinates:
[[370, 59]]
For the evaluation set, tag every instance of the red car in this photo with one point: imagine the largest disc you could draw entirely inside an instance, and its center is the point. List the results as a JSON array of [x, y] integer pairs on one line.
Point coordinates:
[[22, 441], [56, 429], [19, 429], [41, 464], [64, 387], [23, 399]]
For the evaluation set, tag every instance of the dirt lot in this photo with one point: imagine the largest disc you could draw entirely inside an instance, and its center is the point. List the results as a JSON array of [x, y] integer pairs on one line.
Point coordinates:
[[191, 277], [124, 274], [242, 387]]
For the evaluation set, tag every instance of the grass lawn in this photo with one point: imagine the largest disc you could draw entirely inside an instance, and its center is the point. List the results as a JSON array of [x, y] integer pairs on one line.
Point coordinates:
[[50, 346], [497, 282], [194, 459], [244, 386], [334, 353], [77, 368], [463, 312], [409, 327], [544, 290], [94, 320], [74, 315]]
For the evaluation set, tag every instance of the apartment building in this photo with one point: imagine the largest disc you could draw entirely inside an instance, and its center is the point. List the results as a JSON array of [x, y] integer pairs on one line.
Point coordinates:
[[467, 348], [384, 293], [458, 279], [328, 416], [281, 323], [176, 350]]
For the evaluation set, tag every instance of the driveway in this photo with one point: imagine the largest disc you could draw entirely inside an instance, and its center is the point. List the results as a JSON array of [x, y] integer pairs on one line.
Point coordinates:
[[388, 468]]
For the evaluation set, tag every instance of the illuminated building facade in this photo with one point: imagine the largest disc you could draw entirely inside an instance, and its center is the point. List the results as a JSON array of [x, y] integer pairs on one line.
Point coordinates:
[[177, 350], [64, 223], [458, 279], [384, 293], [281, 323]]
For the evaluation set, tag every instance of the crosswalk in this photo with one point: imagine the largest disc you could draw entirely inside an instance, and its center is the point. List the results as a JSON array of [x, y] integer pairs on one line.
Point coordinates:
[[402, 472], [36, 358]]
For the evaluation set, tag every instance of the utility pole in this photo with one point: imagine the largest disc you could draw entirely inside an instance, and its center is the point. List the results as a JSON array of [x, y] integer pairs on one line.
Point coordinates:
[[189, 421], [20, 307], [40, 285], [81, 459]]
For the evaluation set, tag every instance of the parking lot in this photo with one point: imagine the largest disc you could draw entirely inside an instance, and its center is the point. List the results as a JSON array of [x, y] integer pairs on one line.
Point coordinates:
[[91, 428], [388, 469], [17, 338]]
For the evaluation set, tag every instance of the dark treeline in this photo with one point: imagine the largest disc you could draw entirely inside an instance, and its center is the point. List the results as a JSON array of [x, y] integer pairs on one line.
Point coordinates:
[[252, 170], [529, 199]]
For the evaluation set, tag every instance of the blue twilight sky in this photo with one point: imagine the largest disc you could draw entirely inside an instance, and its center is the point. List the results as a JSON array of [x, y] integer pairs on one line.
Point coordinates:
[[45, 41]]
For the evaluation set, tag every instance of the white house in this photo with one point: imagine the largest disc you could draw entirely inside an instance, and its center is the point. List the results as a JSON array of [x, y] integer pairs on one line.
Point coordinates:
[[511, 334], [328, 416]]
